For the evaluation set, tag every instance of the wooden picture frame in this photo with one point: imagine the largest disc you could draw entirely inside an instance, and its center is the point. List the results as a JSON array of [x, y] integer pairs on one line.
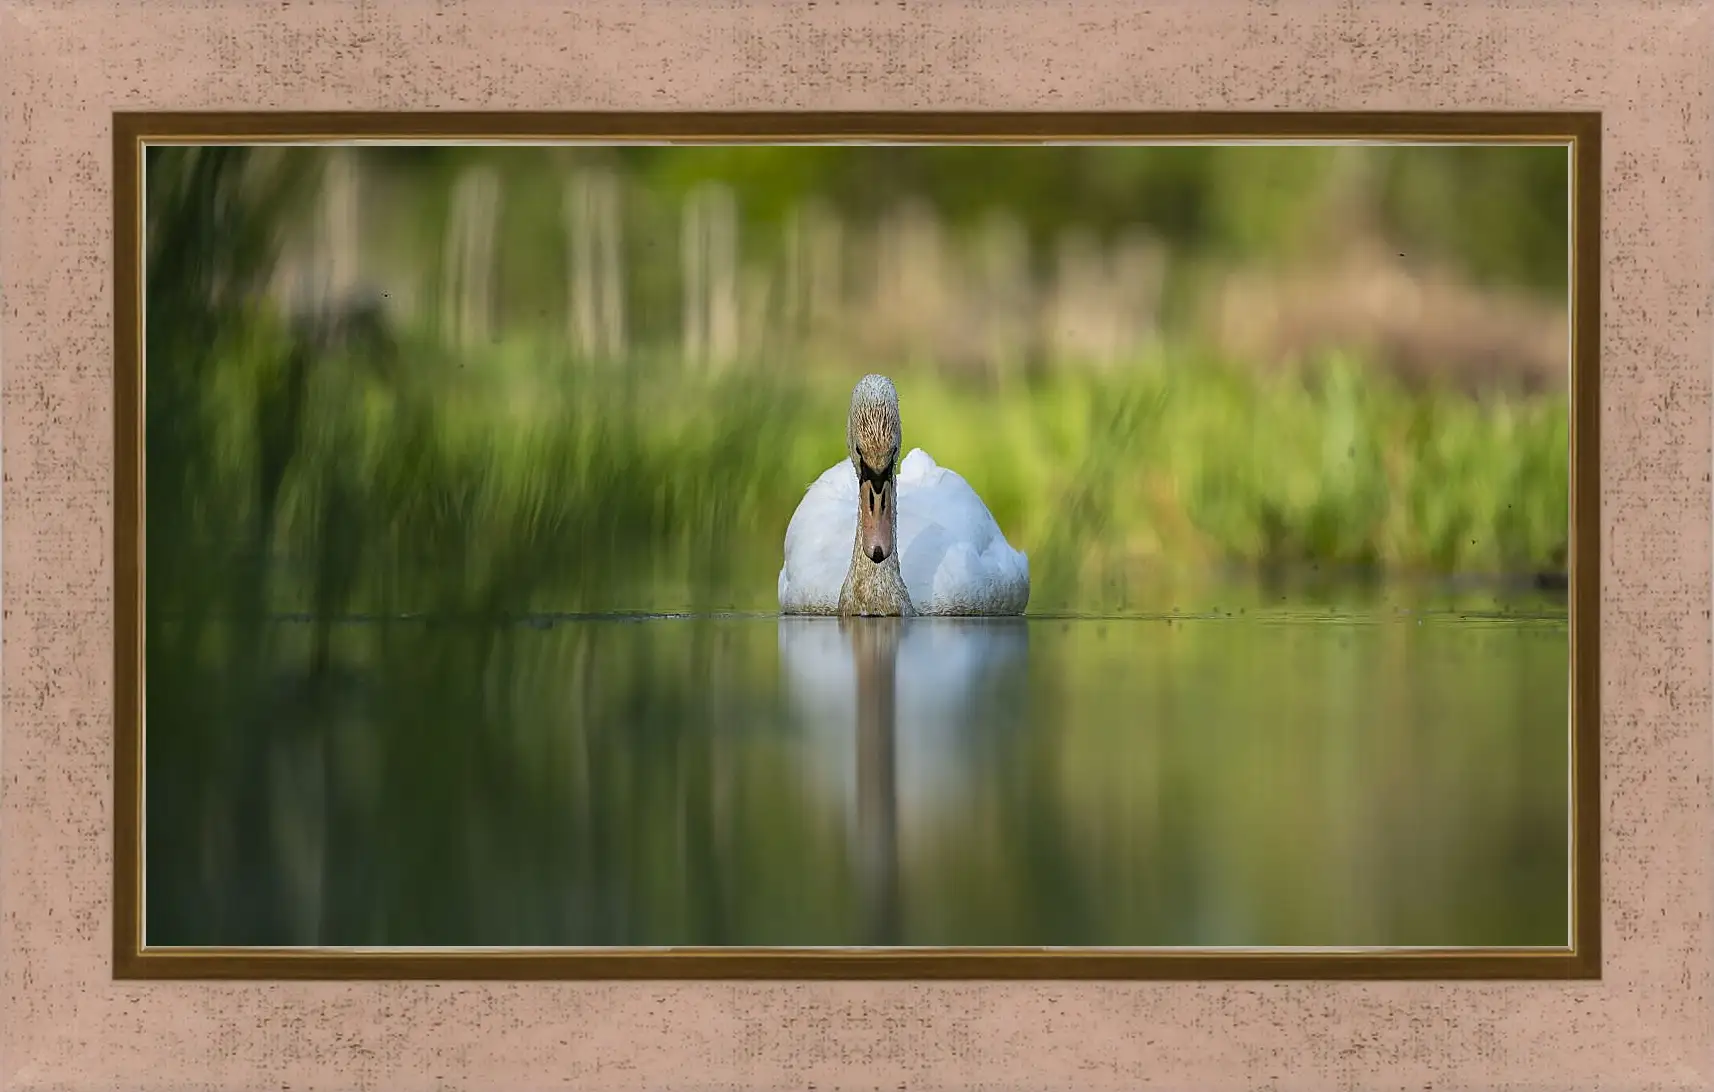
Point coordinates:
[[1579, 132], [1632, 1012]]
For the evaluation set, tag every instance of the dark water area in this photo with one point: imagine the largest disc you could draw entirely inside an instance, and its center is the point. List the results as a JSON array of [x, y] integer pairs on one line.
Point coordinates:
[[1384, 768]]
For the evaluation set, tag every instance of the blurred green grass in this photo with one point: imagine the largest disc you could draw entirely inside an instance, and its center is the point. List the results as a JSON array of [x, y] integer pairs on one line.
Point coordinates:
[[515, 477]]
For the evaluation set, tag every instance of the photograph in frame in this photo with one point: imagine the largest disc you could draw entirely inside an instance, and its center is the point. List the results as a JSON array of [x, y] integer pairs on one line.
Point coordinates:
[[465, 469], [72, 1023]]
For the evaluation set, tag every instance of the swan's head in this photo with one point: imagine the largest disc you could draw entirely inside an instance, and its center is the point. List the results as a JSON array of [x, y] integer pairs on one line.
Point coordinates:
[[872, 437]]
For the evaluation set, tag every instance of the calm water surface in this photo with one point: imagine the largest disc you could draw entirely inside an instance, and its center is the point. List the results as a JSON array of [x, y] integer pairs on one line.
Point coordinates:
[[1252, 775]]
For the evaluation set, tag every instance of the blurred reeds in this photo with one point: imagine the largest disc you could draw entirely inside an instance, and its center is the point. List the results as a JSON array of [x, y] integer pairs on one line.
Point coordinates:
[[517, 481]]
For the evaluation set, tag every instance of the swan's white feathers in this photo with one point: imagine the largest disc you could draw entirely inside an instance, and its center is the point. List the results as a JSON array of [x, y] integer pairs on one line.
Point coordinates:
[[953, 556], [818, 544]]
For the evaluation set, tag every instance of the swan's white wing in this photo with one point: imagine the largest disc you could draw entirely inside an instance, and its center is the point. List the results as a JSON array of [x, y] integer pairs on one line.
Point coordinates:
[[953, 556], [818, 543]]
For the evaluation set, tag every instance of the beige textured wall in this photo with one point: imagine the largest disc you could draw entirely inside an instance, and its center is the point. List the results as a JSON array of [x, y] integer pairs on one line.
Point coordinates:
[[67, 65]]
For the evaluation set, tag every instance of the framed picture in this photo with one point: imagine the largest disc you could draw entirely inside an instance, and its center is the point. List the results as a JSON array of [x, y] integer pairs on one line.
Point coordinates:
[[495, 595], [973, 546]]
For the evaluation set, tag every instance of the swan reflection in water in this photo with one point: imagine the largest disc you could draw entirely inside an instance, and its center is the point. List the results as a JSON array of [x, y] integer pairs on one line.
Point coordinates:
[[903, 716]]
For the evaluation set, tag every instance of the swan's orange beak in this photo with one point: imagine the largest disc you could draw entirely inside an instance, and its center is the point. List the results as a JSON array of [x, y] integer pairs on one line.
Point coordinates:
[[875, 512]]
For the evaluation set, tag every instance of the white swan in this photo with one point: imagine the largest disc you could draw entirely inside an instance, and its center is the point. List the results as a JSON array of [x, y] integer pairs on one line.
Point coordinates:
[[920, 540]]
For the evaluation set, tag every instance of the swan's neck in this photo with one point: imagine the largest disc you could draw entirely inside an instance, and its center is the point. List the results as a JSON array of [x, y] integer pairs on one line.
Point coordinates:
[[874, 588]]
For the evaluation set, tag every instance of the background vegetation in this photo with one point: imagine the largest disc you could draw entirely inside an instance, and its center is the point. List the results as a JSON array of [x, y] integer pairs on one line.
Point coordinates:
[[525, 364]]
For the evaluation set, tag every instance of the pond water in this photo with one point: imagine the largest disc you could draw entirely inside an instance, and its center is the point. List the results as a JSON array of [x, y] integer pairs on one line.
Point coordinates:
[[1391, 773]]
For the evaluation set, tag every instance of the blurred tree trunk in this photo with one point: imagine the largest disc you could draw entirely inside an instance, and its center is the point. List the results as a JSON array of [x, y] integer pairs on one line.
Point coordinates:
[[468, 275], [341, 231], [709, 256], [595, 312]]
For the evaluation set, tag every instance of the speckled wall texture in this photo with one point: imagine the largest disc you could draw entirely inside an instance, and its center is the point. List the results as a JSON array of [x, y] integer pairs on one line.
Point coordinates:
[[67, 65]]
